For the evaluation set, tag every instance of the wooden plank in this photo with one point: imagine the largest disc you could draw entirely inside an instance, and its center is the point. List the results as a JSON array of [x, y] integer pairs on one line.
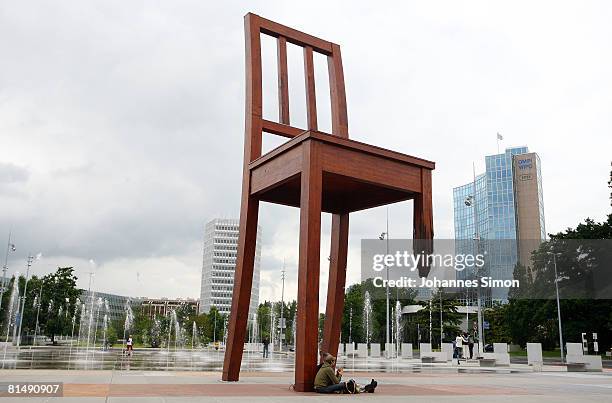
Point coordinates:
[[336, 283], [371, 169], [423, 220], [281, 129], [276, 170], [283, 83], [243, 282], [249, 208], [311, 98], [374, 150], [307, 332], [294, 36], [348, 144], [253, 97], [337, 93]]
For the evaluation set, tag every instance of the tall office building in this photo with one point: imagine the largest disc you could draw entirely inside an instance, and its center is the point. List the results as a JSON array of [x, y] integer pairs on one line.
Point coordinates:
[[510, 215], [219, 265]]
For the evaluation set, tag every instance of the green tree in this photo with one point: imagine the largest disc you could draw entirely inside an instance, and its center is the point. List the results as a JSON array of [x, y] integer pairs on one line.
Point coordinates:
[[446, 303], [581, 266], [58, 290]]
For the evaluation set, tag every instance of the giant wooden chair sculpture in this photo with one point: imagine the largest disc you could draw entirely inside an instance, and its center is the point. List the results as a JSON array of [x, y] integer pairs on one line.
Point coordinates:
[[317, 172]]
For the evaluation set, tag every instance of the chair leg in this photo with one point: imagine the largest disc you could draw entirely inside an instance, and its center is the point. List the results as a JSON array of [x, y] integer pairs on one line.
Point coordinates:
[[308, 270], [243, 281], [423, 220], [336, 284]]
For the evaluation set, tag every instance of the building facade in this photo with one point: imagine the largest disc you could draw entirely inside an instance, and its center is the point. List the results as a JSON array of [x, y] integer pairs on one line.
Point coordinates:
[[153, 307], [509, 208], [219, 265], [116, 303]]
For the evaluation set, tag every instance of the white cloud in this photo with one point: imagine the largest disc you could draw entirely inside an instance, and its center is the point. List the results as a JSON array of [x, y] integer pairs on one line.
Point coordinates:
[[121, 124]]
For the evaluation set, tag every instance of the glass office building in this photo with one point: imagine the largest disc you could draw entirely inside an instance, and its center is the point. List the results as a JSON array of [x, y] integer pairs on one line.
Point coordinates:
[[509, 208]]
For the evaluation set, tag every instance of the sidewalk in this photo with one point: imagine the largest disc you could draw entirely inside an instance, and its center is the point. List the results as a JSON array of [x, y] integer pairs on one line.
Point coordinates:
[[139, 386]]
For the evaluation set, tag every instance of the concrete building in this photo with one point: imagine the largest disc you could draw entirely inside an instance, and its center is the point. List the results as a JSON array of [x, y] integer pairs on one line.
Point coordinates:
[[153, 307], [219, 264], [116, 303], [510, 216]]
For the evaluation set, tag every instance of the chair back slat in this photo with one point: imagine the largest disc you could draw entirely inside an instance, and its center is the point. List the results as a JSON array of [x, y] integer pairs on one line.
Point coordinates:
[[255, 124]]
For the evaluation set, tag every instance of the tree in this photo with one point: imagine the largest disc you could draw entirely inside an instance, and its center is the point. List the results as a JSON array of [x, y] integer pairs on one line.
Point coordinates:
[[450, 317], [58, 291], [582, 255]]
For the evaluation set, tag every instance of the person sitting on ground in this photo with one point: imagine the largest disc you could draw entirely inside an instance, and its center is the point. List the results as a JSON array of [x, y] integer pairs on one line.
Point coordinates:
[[322, 355], [329, 381]]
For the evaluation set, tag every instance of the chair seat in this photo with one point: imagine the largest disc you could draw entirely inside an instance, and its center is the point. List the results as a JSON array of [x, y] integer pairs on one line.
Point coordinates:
[[356, 176]]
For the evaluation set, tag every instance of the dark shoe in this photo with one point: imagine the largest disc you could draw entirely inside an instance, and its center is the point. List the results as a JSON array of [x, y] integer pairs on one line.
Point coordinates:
[[369, 388]]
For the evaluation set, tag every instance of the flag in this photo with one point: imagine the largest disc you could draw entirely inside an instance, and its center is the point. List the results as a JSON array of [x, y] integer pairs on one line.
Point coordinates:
[[499, 136]]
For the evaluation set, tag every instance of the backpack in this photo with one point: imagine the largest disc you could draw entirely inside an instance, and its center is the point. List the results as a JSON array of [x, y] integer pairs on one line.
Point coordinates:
[[351, 387]]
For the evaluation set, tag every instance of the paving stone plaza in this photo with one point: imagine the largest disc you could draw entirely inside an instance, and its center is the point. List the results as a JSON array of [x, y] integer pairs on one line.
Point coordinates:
[[189, 376]]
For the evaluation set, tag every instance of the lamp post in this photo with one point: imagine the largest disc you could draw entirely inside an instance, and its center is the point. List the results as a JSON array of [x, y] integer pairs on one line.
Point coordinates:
[[471, 201], [554, 255], [10, 247], [23, 298], [441, 322], [385, 236], [282, 321]]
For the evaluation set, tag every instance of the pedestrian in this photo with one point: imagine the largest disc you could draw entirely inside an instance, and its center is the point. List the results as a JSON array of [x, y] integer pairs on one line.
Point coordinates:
[[465, 344], [266, 344], [458, 347], [471, 344], [129, 345]]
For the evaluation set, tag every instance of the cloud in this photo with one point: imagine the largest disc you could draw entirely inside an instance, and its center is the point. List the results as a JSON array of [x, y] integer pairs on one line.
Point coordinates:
[[121, 124]]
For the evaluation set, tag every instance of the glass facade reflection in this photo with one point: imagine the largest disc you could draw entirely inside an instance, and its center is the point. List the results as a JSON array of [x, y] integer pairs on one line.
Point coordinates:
[[497, 217]]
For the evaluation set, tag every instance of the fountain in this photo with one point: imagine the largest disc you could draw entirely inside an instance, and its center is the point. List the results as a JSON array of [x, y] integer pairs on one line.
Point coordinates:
[[172, 318], [367, 317], [398, 327], [83, 313], [90, 320], [36, 305], [272, 326], [99, 304], [11, 318], [194, 336], [293, 330], [76, 310], [156, 333], [129, 321]]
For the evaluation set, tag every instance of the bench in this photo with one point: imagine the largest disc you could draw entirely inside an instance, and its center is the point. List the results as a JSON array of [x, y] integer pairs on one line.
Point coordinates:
[[576, 367], [487, 362], [576, 359], [433, 356]]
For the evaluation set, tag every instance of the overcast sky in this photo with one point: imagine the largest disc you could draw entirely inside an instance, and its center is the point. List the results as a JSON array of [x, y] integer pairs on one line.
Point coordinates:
[[121, 122]]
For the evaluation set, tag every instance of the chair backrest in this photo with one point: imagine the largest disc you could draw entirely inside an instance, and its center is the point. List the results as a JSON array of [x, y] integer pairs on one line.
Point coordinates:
[[254, 26]]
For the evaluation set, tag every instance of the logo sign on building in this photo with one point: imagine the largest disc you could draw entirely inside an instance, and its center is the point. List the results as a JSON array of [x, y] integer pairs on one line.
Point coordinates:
[[525, 163]]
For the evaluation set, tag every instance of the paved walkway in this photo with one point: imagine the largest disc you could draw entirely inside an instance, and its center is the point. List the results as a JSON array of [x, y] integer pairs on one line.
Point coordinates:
[[139, 386]]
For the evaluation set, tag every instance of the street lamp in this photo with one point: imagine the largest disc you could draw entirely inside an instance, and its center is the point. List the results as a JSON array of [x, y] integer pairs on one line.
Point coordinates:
[[470, 201], [554, 255], [23, 299], [10, 247], [282, 318]]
